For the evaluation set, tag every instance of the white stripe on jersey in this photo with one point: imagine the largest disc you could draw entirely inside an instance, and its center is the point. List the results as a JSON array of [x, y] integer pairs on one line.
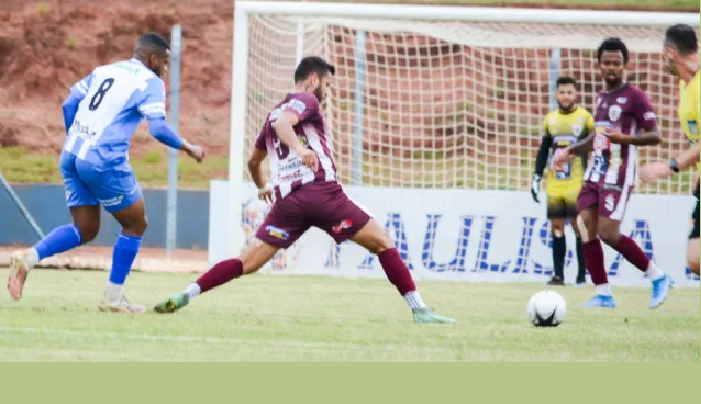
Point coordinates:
[[628, 183], [611, 176], [82, 87], [315, 142], [154, 108]]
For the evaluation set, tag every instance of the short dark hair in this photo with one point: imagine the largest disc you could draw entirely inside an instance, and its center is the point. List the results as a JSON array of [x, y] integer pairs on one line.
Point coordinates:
[[564, 80], [154, 41], [683, 37], [613, 44], [311, 64]]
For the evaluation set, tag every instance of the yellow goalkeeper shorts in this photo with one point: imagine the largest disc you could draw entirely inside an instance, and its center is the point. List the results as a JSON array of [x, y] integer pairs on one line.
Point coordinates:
[[562, 197]]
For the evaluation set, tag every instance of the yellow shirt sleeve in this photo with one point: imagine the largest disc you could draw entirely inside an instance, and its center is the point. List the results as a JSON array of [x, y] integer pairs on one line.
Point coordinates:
[[590, 123], [697, 105]]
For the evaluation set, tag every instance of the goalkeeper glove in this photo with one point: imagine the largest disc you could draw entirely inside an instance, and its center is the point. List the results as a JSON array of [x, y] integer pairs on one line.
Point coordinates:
[[535, 188]]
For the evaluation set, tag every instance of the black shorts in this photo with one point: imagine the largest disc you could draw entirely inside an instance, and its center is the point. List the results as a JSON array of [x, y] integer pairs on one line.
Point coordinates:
[[695, 217]]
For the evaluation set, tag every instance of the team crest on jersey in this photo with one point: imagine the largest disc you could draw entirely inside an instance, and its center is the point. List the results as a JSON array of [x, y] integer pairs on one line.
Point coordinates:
[[601, 142], [614, 113], [577, 130], [297, 105], [621, 100]]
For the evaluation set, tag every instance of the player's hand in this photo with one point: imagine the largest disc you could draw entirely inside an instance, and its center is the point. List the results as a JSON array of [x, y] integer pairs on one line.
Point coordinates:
[[560, 157], [309, 158], [195, 152], [535, 188], [655, 171], [615, 136], [265, 193]]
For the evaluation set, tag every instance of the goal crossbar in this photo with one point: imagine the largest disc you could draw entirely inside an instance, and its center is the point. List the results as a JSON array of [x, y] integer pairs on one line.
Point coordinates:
[[475, 14]]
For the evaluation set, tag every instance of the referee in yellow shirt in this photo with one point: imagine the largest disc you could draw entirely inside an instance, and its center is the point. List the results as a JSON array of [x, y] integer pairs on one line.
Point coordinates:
[[681, 51]]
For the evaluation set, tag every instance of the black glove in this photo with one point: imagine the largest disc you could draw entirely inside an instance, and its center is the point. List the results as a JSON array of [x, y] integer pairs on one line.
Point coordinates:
[[535, 188]]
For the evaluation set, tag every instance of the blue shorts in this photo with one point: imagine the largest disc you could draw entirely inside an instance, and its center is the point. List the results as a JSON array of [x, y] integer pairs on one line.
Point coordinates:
[[114, 188]]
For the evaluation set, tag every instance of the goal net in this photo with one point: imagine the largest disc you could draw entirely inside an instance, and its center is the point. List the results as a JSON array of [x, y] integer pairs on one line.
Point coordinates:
[[450, 104], [443, 104]]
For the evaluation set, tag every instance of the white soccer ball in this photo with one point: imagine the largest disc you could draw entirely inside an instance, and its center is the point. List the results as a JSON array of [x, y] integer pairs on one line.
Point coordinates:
[[546, 309]]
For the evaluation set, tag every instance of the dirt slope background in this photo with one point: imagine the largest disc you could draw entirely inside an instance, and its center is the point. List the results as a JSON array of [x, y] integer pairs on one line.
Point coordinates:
[[45, 46]]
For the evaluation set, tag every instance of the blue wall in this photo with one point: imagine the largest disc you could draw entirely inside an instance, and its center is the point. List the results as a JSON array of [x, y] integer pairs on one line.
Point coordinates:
[[48, 205]]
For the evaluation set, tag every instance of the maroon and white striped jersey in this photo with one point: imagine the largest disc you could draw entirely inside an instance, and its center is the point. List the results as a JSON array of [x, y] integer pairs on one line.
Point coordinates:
[[628, 109], [285, 165]]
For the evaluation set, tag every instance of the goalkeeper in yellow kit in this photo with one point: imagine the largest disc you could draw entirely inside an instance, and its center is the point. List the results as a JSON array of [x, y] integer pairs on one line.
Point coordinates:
[[681, 51], [561, 128]]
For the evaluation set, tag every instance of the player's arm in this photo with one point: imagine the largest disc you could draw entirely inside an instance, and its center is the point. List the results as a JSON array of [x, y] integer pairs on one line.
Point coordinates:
[[296, 111], [152, 107], [540, 161], [583, 146], [542, 158], [687, 159], [284, 129], [646, 120], [71, 103], [260, 152]]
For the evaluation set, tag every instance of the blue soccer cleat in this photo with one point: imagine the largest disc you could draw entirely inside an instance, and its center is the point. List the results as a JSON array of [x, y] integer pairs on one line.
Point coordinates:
[[660, 290], [601, 301]]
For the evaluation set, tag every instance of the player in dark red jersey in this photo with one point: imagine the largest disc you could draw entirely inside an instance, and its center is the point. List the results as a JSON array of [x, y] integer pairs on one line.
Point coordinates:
[[307, 193], [624, 120]]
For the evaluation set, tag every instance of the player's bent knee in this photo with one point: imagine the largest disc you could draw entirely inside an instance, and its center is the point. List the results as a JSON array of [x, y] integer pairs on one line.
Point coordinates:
[[88, 232], [558, 227]]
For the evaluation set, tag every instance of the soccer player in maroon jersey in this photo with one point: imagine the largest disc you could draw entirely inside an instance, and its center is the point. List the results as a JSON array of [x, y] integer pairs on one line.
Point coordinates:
[[307, 193], [624, 121]]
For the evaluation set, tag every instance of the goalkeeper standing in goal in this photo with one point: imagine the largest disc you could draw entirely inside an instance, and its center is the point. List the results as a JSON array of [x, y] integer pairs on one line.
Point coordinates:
[[561, 128]]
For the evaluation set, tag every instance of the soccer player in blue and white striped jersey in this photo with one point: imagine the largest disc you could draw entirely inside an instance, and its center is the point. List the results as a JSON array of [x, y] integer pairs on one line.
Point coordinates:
[[101, 114]]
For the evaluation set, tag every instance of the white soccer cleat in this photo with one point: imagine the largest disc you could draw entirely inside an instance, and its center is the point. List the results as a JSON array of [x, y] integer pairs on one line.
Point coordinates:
[[20, 265], [121, 305]]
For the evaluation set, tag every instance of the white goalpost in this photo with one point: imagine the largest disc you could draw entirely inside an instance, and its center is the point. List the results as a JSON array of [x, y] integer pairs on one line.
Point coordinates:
[[446, 100]]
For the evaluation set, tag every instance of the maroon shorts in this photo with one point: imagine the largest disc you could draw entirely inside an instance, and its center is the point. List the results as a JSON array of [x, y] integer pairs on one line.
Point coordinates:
[[612, 200], [320, 204]]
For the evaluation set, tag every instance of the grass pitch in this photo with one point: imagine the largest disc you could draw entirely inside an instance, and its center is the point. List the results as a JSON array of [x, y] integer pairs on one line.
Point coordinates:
[[302, 318]]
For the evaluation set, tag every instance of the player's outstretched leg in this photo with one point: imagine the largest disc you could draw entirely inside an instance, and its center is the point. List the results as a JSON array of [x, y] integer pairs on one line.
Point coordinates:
[[61, 239], [661, 282], [252, 260], [126, 247], [375, 239], [587, 222]]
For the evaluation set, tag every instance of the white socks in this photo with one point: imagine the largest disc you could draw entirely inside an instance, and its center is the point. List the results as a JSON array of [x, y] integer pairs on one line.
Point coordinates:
[[114, 291], [193, 290], [32, 258], [604, 289], [653, 272], [413, 299]]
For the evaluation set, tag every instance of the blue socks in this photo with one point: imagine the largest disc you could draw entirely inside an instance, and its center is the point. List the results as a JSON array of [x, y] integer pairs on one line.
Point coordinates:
[[60, 239], [125, 250]]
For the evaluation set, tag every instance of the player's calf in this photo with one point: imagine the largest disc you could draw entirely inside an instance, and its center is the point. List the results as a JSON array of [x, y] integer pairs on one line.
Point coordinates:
[[225, 271], [375, 239]]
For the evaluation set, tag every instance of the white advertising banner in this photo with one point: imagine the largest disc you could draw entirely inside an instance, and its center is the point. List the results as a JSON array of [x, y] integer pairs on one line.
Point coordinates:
[[456, 235]]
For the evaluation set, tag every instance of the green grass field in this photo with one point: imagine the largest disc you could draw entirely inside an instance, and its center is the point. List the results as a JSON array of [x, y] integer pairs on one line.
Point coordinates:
[[302, 318]]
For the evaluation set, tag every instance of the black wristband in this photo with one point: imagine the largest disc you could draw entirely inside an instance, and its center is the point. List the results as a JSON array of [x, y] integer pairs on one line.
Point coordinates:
[[674, 165]]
